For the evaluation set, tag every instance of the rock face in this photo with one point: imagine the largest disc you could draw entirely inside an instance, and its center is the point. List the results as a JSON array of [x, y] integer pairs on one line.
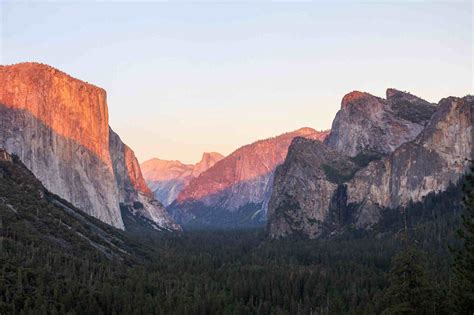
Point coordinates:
[[167, 178], [235, 191], [367, 123], [301, 184], [353, 177], [133, 191], [439, 156], [58, 126]]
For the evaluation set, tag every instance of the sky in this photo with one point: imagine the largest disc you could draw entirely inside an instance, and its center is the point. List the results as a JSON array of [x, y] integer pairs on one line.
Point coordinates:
[[185, 78]]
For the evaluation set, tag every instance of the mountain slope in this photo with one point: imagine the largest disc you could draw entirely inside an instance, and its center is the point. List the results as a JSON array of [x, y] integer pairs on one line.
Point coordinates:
[[45, 218], [234, 192], [167, 178], [324, 187], [54, 258], [58, 126]]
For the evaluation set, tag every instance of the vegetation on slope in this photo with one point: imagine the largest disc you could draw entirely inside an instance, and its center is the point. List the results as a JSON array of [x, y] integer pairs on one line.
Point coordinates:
[[44, 268]]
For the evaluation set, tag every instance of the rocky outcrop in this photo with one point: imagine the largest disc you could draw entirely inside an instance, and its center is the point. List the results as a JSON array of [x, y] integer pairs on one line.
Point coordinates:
[[235, 191], [322, 188], [167, 178], [58, 126], [366, 123]]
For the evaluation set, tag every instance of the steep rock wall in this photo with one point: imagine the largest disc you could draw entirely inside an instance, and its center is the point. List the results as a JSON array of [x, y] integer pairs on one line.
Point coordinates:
[[58, 126]]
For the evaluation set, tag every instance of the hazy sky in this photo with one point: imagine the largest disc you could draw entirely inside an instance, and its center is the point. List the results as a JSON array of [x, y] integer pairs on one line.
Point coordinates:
[[183, 78]]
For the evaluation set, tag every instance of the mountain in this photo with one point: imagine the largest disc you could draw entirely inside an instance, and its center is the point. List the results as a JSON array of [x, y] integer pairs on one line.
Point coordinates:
[[380, 155], [167, 178], [58, 126], [235, 191]]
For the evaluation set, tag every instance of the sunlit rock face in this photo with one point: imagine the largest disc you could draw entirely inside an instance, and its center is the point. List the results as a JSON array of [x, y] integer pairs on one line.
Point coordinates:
[[350, 178], [235, 191], [58, 126], [72, 109], [208, 160], [166, 179]]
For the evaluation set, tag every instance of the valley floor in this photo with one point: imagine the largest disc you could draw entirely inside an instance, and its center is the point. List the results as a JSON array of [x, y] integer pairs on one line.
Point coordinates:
[[238, 272]]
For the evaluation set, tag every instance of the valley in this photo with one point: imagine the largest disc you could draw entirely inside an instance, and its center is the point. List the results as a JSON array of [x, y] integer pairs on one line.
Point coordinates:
[[236, 157], [301, 223], [57, 260]]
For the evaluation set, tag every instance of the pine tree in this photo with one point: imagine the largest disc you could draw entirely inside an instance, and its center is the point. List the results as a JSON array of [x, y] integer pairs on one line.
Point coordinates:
[[410, 291], [463, 269]]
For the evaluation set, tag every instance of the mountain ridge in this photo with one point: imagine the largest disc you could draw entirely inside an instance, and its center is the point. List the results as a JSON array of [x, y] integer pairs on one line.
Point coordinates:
[[236, 189]]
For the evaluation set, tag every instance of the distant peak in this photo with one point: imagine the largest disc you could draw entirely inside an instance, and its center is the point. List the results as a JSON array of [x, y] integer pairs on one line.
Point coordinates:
[[156, 162], [211, 155], [305, 130]]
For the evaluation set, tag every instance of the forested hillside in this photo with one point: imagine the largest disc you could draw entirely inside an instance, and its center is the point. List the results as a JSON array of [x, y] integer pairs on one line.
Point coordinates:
[[55, 259]]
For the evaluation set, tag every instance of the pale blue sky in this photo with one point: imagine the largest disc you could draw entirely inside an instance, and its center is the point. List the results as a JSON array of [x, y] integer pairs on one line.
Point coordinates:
[[183, 78]]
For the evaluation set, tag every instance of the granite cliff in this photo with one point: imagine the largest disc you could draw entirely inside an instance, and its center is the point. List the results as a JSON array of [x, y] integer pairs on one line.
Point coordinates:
[[366, 123], [381, 154], [58, 127]]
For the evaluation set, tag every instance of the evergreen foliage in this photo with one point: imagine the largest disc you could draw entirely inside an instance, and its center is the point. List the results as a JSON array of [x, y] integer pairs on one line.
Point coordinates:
[[47, 267], [463, 269], [410, 289]]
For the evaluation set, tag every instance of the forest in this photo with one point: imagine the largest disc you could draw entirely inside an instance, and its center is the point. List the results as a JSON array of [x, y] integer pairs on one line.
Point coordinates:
[[418, 260]]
